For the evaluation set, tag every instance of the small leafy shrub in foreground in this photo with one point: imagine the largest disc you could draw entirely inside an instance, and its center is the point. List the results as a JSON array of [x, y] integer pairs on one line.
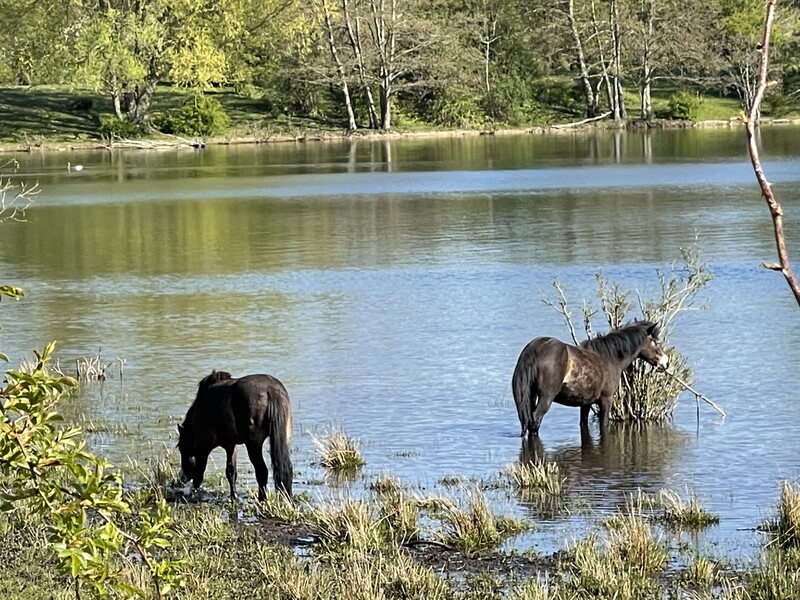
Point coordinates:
[[91, 527]]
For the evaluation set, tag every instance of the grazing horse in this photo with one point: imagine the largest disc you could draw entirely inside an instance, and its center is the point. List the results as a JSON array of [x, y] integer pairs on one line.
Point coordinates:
[[229, 411], [549, 370]]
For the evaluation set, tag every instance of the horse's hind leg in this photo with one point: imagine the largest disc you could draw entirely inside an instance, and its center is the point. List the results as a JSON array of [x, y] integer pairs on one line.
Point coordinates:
[[542, 406], [230, 468], [256, 455]]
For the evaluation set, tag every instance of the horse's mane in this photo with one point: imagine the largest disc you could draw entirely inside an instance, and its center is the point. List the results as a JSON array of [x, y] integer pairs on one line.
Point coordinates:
[[209, 380], [623, 341]]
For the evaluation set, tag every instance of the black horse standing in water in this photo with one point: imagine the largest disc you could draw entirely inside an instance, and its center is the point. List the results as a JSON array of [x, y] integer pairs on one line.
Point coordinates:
[[229, 411], [549, 370]]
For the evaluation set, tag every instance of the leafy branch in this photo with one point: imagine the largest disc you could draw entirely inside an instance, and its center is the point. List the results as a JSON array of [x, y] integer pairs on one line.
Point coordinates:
[[80, 497]]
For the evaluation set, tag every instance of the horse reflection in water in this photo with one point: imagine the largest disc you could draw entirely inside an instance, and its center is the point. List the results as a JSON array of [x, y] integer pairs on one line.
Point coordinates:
[[610, 467], [548, 370]]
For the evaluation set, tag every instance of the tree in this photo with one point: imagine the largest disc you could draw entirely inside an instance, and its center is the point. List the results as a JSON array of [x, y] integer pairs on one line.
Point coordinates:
[[784, 265]]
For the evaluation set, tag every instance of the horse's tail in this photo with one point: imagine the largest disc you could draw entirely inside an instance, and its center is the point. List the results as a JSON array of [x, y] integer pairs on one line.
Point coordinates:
[[522, 384], [279, 416]]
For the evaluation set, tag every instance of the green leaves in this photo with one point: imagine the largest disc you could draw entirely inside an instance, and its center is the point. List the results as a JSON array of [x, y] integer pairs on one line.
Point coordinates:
[[90, 525]]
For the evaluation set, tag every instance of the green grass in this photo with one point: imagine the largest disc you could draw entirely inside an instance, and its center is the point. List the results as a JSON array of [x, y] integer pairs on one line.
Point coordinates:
[[338, 452], [42, 116]]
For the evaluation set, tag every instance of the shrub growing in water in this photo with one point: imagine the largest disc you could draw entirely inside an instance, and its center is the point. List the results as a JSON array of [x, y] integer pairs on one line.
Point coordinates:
[[645, 394]]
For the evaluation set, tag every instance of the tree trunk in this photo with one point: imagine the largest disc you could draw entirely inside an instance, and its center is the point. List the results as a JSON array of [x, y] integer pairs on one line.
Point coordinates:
[[647, 67], [351, 117], [384, 37], [606, 78], [586, 83], [619, 104], [354, 35]]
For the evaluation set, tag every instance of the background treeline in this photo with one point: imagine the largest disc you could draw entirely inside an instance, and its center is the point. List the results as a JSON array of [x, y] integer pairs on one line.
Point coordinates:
[[382, 63]]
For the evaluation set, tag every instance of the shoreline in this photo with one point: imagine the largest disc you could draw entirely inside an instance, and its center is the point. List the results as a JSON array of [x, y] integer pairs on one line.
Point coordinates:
[[167, 142]]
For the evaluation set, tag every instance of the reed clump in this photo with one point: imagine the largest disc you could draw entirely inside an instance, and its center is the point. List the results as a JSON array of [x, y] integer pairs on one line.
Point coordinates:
[[470, 525], [399, 512], [536, 476], [338, 452], [676, 513], [645, 394], [701, 574], [95, 368], [785, 528]]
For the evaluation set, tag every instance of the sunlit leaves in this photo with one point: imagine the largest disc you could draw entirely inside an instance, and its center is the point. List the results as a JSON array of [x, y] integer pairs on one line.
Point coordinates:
[[90, 524]]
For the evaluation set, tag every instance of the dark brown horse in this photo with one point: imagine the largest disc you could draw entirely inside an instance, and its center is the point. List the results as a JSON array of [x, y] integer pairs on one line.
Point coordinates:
[[549, 370], [228, 412]]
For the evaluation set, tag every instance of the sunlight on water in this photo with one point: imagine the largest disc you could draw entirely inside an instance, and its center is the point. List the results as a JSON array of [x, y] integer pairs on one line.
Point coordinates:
[[392, 286]]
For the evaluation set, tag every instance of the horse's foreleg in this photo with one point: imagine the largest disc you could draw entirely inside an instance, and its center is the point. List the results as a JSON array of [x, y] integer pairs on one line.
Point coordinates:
[[201, 461], [604, 403], [585, 410], [230, 468], [256, 455]]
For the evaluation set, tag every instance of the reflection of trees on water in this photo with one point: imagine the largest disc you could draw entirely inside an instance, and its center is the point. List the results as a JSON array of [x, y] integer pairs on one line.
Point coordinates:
[[604, 470]]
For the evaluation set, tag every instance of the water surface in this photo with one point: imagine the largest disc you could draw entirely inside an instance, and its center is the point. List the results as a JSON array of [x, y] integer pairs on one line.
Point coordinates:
[[391, 286]]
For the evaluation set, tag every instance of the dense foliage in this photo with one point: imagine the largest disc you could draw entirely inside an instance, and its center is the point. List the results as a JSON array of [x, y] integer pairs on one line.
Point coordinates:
[[384, 63]]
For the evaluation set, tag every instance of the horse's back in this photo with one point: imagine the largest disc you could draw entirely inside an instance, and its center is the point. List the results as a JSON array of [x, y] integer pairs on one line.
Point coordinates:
[[257, 400]]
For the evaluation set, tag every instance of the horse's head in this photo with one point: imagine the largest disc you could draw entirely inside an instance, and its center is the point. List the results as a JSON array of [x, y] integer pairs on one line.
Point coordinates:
[[652, 351], [186, 448]]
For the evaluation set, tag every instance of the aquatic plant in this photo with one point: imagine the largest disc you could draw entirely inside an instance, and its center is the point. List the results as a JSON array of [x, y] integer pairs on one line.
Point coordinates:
[[469, 523], [645, 394], [676, 513], [536, 476], [701, 574], [339, 452], [785, 527]]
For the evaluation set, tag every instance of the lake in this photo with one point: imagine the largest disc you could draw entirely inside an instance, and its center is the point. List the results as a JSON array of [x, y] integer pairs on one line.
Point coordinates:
[[391, 286]]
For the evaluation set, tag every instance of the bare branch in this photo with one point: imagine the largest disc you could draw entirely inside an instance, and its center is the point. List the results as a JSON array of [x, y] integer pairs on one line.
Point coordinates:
[[752, 123]]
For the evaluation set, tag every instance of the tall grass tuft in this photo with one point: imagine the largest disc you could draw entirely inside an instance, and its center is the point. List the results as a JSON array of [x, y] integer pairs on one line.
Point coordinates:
[[399, 511], [679, 514], [701, 574], [785, 528], [338, 452], [645, 394], [348, 523], [470, 525], [536, 476]]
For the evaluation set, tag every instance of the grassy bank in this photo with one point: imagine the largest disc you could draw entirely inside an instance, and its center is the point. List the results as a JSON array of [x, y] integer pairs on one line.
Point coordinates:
[[398, 542], [52, 117]]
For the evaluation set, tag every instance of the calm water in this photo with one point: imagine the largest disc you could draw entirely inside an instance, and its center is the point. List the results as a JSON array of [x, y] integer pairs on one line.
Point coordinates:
[[391, 286]]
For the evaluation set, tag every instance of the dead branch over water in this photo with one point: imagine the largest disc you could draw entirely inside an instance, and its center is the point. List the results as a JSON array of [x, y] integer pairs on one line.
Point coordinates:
[[752, 122]]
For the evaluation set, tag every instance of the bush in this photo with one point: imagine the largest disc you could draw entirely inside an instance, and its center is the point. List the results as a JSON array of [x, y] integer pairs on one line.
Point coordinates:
[[200, 116], [684, 106], [114, 127], [645, 395]]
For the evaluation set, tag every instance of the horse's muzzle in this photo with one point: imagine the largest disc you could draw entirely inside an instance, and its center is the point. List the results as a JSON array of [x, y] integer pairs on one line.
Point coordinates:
[[663, 361]]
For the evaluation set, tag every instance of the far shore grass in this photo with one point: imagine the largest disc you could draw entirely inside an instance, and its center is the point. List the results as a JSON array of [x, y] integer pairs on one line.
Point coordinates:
[[63, 118]]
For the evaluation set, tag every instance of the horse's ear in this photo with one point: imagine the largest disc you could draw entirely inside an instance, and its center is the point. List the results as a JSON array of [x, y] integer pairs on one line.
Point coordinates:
[[652, 330], [180, 428]]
